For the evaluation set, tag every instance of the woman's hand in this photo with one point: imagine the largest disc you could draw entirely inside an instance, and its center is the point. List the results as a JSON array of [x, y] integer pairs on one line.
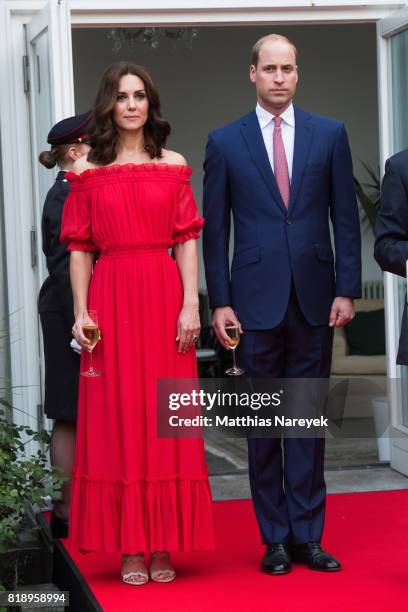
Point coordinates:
[[188, 328], [82, 319]]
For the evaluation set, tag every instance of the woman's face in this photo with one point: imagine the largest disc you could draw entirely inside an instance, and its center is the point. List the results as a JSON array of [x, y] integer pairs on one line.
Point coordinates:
[[131, 106]]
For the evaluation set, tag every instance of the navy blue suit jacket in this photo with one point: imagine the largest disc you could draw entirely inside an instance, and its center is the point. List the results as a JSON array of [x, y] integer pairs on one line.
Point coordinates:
[[273, 244], [391, 231]]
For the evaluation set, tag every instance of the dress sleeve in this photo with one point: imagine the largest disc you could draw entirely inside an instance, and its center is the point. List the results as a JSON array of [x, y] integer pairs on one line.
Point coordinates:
[[76, 228], [187, 224]]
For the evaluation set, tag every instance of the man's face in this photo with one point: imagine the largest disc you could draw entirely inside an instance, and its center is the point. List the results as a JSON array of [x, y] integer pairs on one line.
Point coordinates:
[[275, 76]]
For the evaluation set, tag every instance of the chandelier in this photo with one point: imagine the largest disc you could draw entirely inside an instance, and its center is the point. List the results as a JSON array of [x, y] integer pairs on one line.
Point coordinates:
[[150, 37]]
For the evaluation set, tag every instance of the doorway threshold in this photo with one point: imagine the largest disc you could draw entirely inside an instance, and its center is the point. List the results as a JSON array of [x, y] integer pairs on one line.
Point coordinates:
[[356, 479]]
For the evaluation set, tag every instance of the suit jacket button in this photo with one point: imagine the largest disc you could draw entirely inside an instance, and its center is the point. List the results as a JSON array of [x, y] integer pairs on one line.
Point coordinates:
[[288, 222]]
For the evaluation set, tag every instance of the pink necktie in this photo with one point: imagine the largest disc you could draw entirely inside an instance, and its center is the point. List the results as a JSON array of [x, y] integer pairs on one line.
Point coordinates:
[[280, 163]]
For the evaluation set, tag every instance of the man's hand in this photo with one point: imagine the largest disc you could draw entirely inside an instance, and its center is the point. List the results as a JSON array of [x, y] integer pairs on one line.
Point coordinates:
[[223, 316], [342, 312]]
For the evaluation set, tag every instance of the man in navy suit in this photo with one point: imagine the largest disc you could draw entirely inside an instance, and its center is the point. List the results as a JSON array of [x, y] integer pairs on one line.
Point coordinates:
[[282, 172], [391, 232]]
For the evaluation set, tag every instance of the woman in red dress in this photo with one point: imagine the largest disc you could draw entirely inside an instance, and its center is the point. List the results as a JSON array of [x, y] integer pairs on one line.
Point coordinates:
[[132, 491]]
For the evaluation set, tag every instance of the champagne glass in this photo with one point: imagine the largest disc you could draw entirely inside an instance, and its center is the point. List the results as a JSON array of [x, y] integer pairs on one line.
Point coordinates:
[[234, 336], [92, 333]]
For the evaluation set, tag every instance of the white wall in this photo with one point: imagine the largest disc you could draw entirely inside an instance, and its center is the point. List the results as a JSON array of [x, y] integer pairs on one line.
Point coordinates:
[[208, 86], [4, 320]]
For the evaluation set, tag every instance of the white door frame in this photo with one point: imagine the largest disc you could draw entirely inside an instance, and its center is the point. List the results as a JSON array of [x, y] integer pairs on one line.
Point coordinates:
[[386, 29], [15, 127], [17, 189]]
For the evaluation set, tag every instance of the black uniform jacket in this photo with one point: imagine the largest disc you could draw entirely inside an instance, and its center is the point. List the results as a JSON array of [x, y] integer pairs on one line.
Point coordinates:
[[56, 294]]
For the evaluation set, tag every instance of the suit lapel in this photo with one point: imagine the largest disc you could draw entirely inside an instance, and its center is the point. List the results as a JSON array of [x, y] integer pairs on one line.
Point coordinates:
[[252, 135], [303, 139]]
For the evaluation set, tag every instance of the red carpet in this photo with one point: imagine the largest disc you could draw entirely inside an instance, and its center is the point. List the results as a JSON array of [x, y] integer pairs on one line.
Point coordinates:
[[367, 531]]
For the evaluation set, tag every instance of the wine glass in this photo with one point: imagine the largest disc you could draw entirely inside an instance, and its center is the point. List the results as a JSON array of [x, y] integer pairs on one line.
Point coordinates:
[[92, 333], [234, 336]]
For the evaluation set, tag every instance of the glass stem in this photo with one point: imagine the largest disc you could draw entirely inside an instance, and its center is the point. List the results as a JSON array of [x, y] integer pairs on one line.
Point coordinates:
[[234, 363], [90, 364]]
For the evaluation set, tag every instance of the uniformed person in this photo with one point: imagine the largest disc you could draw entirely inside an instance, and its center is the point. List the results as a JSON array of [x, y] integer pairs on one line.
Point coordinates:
[[68, 145]]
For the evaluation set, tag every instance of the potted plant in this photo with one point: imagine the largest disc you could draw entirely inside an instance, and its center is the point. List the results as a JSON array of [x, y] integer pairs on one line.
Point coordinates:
[[369, 202], [25, 480]]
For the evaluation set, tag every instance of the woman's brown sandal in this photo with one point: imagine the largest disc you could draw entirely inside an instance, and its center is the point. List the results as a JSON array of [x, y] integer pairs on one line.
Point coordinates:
[[163, 573], [134, 576]]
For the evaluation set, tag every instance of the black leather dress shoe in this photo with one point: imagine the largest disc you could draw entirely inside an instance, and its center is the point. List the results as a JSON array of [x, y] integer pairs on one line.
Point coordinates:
[[313, 555], [59, 526], [276, 559]]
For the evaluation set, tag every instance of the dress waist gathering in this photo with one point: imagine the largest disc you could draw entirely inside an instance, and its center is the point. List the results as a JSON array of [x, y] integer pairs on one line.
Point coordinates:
[[139, 250]]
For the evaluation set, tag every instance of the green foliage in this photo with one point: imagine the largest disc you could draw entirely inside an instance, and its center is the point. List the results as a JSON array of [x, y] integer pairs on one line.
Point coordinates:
[[369, 201], [25, 479]]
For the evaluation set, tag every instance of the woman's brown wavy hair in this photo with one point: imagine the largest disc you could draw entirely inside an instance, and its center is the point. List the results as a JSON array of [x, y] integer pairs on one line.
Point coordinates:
[[103, 134]]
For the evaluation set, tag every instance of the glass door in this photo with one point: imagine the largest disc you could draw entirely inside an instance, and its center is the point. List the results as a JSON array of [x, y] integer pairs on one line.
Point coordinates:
[[51, 97]]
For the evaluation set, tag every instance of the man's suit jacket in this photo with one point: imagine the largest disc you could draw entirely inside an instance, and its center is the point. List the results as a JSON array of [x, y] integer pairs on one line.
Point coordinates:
[[391, 230], [56, 293], [273, 244]]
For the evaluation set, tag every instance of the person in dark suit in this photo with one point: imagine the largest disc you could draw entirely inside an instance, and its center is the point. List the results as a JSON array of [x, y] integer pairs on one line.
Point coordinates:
[[391, 231], [56, 311], [282, 172]]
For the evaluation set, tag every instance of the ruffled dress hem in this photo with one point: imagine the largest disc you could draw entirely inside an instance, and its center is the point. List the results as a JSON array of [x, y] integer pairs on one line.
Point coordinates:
[[142, 515]]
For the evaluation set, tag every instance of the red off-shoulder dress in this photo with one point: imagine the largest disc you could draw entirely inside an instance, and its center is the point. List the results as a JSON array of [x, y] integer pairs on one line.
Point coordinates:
[[131, 490]]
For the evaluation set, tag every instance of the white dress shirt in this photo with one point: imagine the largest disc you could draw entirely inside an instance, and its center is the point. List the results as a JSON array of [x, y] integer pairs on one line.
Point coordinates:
[[288, 132]]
